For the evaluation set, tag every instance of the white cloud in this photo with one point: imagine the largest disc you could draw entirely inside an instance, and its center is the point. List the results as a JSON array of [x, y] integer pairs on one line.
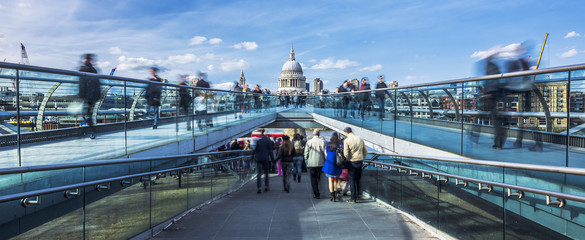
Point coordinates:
[[104, 65], [504, 52], [210, 68], [313, 60], [136, 64], [246, 45], [371, 68], [117, 51], [197, 40], [184, 59], [24, 5], [572, 34], [233, 65], [209, 56], [330, 63], [223, 86], [215, 41], [569, 53]]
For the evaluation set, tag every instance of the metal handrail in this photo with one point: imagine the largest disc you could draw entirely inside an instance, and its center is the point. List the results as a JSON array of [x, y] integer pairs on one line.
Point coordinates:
[[24, 195], [522, 166], [454, 81], [561, 196], [109, 77], [48, 167]]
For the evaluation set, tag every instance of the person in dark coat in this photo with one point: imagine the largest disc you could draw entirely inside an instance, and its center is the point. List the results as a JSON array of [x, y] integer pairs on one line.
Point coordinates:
[[89, 91], [186, 101], [364, 97], [264, 156], [239, 104], [380, 96], [153, 96], [203, 83]]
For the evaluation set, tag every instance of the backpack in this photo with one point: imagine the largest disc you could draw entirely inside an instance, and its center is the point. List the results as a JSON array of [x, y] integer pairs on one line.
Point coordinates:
[[299, 146]]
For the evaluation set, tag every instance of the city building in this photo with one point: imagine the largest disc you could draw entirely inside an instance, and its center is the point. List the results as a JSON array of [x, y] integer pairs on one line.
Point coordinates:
[[242, 80], [291, 77], [318, 85]]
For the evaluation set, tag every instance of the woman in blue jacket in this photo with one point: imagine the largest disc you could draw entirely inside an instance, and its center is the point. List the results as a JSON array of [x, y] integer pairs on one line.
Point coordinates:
[[330, 168]]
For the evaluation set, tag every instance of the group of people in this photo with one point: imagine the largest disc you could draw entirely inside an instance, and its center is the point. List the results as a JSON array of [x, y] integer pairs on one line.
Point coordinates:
[[295, 99], [245, 102], [320, 156], [153, 94], [360, 102]]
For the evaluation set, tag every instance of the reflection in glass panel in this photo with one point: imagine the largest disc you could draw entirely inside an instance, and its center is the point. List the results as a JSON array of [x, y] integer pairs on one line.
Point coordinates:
[[47, 220], [403, 114], [120, 212], [168, 196], [576, 123]]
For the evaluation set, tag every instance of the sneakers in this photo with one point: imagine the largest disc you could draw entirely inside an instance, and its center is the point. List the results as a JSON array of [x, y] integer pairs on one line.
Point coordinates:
[[350, 201], [92, 136]]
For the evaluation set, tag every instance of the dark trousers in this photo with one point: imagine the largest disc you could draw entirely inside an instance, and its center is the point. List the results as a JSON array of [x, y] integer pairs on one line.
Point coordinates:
[[262, 168], [287, 172], [315, 176], [355, 176]]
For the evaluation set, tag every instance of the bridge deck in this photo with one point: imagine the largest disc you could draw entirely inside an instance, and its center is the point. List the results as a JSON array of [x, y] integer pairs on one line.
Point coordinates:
[[296, 215]]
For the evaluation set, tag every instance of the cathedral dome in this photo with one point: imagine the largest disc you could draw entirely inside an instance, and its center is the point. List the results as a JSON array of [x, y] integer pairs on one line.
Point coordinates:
[[291, 78], [292, 66]]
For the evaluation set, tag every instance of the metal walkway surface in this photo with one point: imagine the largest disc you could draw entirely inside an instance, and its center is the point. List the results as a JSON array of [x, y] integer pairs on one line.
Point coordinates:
[[276, 214]]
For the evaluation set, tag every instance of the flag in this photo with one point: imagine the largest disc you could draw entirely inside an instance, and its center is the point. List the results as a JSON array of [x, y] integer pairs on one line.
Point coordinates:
[[112, 72]]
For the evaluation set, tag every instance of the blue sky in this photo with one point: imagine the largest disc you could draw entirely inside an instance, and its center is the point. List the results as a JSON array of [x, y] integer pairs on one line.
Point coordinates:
[[409, 41]]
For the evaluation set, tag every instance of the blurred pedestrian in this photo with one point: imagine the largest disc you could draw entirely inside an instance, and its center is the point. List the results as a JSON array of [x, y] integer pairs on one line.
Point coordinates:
[[153, 96], [202, 82], [89, 91], [185, 101]]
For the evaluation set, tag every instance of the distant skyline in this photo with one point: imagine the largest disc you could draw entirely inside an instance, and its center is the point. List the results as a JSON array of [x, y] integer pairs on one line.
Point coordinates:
[[410, 42]]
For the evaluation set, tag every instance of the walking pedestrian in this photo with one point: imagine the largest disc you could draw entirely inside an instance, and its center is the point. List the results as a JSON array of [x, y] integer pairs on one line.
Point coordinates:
[[330, 168], [315, 156], [185, 101], [299, 145], [286, 154], [89, 91], [355, 151], [380, 95], [264, 156], [153, 96], [364, 97]]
